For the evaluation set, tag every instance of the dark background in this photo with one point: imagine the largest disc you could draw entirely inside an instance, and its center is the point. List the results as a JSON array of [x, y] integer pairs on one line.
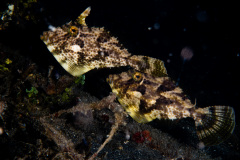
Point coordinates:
[[161, 29], [211, 77], [211, 30]]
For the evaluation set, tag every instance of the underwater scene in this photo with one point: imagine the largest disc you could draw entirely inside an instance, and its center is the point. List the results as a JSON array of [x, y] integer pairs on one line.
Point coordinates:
[[122, 80]]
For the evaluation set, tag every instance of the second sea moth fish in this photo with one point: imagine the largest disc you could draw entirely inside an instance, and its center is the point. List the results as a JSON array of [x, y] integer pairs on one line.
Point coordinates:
[[145, 98], [79, 49]]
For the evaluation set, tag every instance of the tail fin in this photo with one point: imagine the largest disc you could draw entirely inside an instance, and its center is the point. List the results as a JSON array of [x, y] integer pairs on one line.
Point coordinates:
[[149, 65], [215, 125]]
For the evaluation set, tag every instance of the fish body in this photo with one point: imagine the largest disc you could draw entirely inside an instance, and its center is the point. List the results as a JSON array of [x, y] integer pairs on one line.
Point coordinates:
[[145, 92], [79, 49], [145, 98]]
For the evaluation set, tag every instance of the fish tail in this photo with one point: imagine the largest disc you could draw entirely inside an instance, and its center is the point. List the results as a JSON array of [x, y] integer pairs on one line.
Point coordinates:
[[214, 124], [149, 65]]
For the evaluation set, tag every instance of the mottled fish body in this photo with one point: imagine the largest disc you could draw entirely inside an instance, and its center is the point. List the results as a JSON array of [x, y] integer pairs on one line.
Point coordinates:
[[79, 49], [145, 98], [146, 94]]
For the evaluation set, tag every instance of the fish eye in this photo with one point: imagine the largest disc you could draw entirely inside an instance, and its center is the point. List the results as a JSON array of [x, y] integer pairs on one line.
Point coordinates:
[[137, 76], [73, 30]]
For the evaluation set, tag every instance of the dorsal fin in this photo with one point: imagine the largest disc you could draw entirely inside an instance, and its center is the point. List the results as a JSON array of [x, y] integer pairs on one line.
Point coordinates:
[[149, 65], [81, 19]]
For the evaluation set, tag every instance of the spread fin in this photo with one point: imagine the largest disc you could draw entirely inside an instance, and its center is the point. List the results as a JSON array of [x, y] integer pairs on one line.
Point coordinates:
[[149, 65], [215, 125]]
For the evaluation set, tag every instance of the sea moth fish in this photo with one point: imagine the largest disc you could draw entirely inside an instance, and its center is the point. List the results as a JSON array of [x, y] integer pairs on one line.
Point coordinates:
[[145, 98], [79, 49]]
